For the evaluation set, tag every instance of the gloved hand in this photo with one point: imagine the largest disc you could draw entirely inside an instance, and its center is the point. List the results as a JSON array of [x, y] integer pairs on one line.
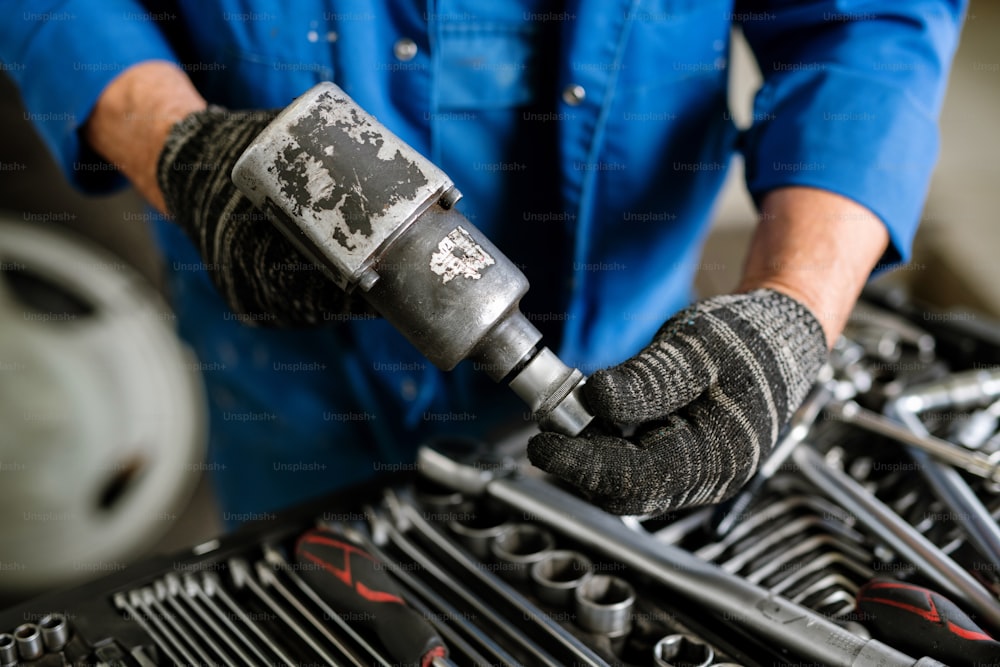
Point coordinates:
[[709, 396], [259, 273]]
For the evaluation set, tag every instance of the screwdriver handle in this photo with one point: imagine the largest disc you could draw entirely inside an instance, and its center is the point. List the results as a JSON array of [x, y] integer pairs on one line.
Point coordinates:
[[922, 622], [355, 583]]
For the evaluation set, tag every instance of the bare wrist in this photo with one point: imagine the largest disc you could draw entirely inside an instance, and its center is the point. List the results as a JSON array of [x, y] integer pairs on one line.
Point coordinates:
[[816, 247], [134, 115]]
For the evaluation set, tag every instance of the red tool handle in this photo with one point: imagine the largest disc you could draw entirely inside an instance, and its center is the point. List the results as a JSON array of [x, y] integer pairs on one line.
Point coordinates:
[[359, 586], [924, 623]]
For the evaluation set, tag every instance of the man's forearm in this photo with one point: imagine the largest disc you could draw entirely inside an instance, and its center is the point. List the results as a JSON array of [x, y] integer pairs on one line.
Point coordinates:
[[817, 247], [133, 116]]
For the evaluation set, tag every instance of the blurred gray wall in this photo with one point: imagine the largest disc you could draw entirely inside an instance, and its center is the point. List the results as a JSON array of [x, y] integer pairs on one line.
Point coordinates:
[[30, 185]]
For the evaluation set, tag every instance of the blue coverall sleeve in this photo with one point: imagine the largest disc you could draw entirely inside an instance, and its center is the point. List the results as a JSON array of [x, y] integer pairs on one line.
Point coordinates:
[[61, 54], [850, 101]]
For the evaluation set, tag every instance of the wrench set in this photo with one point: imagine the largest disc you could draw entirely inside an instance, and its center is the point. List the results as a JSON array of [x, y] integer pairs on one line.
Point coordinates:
[[882, 495]]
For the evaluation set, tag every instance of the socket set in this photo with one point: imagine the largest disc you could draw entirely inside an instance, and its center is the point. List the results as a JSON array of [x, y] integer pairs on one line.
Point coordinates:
[[31, 641], [877, 510], [494, 588]]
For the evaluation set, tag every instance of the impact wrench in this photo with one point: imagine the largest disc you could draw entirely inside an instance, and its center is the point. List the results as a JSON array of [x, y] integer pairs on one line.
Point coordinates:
[[378, 217]]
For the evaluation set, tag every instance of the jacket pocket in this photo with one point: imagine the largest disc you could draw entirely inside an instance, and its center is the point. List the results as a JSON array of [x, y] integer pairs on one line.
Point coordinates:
[[489, 65], [671, 40]]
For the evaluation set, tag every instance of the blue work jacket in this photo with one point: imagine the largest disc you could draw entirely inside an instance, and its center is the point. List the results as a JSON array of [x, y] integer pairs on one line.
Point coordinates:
[[589, 137]]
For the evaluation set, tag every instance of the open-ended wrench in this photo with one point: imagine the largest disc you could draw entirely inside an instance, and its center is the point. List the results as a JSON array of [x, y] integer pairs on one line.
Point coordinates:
[[415, 588], [580, 651], [213, 589], [125, 604], [189, 594], [897, 533], [758, 611], [243, 577], [539, 655], [961, 390], [278, 561], [977, 463]]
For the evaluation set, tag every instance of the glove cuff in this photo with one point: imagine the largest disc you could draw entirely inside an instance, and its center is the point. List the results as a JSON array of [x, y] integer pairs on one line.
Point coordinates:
[[795, 337], [200, 150], [176, 150], [254, 267]]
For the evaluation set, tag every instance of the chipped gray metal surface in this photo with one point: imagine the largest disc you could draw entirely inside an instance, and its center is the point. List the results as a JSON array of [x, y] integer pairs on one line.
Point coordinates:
[[354, 184], [458, 255]]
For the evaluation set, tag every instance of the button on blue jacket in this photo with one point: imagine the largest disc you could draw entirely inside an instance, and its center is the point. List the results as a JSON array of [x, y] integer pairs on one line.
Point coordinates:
[[589, 138]]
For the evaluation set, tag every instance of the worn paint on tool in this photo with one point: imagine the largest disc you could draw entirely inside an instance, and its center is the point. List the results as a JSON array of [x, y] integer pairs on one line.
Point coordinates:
[[458, 255], [344, 184], [339, 162]]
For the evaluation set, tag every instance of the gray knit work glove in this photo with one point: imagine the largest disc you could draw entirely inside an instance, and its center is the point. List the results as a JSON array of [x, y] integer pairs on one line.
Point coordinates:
[[258, 272], [709, 396]]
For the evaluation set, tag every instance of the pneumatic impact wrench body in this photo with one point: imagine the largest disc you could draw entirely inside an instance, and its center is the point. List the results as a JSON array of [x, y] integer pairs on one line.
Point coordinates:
[[378, 217]]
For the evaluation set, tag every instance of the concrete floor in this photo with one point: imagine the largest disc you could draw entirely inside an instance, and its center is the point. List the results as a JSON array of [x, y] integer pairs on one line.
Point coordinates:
[[957, 243]]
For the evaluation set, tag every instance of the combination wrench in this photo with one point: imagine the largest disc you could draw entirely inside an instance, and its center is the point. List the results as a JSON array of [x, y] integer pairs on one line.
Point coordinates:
[[756, 610]]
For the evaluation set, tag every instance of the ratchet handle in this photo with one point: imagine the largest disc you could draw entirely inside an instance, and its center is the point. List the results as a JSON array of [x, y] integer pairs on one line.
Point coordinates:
[[920, 621], [357, 584]]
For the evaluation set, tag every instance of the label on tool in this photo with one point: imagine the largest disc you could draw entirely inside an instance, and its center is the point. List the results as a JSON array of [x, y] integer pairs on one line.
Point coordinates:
[[458, 255]]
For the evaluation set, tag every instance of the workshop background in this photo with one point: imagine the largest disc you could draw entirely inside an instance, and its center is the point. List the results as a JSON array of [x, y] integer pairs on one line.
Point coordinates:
[[954, 266]]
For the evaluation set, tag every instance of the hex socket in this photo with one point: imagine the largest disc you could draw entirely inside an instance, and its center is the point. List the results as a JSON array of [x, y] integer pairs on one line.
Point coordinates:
[[55, 632], [604, 604], [438, 499], [682, 651], [29, 641], [558, 574], [477, 532], [518, 546], [8, 650]]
